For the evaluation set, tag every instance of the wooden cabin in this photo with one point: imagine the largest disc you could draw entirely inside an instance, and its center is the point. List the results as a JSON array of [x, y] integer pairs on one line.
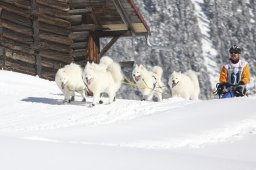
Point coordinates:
[[37, 37]]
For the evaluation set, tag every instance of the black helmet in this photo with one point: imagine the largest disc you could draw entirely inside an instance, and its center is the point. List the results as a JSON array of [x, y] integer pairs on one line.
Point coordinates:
[[235, 49]]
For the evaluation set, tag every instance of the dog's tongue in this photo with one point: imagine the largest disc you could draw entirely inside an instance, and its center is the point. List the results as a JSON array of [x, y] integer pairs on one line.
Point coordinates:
[[89, 81], [62, 85], [174, 84], [137, 78]]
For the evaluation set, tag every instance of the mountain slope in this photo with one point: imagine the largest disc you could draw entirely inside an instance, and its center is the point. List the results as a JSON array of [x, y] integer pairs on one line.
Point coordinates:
[[192, 34]]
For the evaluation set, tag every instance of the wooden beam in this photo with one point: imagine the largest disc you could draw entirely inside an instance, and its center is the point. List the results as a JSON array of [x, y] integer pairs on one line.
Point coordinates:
[[79, 36], [54, 21], [79, 11], [53, 4], [75, 19], [16, 18], [123, 15], [53, 12], [78, 4], [108, 46], [46, 62], [93, 48], [56, 38], [20, 56], [53, 29], [124, 33], [138, 27], [79, 45], [78, 52], [57, 56], [94, 19], [2, 58], [12, 7], [15, 45], [16, 27], [17, 37], [44, 44], [84, 27], [36, 37], [139, 15]]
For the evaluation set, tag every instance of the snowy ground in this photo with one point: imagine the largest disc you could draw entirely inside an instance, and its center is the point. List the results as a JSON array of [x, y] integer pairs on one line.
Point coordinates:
[[38, 132]]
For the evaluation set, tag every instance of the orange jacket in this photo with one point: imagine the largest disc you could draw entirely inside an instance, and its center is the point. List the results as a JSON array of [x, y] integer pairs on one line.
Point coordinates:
[[228, 69]]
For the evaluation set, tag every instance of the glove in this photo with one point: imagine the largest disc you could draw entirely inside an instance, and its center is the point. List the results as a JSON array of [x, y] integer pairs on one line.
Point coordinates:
[[227, 85], [220, 87], [239, 91]]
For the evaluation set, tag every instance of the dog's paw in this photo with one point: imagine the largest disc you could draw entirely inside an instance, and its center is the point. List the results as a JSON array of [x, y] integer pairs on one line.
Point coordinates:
[[92, 105], [72, 98], [66, 101]]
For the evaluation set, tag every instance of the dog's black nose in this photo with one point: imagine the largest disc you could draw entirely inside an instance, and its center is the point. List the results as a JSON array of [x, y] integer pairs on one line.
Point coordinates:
[[133, 75]]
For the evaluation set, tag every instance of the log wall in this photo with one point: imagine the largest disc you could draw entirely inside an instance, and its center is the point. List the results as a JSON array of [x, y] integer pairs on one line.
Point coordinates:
[[36, 37]]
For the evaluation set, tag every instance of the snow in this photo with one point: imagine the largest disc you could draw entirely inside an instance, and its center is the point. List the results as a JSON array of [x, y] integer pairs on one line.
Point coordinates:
[[38, 132]]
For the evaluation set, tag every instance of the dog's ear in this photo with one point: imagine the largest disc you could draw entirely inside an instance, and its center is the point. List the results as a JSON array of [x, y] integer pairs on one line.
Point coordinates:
[[141, 66]]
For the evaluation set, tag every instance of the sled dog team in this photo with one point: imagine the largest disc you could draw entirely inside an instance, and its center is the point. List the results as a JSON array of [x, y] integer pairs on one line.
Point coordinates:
[[107, 77]]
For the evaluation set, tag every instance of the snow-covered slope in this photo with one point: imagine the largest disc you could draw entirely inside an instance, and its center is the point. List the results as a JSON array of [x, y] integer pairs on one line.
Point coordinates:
[[38, 132]]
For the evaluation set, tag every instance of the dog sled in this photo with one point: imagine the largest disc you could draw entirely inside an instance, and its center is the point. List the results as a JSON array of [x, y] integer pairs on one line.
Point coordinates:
[[230, 91]]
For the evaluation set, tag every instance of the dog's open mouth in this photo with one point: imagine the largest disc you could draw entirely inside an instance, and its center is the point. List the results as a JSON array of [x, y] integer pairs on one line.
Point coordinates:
[[89, 81], [174, 83], [62, 85], [137, 78]]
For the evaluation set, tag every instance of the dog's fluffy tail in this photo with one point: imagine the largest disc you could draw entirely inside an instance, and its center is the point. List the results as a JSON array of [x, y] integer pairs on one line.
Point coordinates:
[[158, 70], [116, 72], [72, 68], [193, 76], [106, 61]]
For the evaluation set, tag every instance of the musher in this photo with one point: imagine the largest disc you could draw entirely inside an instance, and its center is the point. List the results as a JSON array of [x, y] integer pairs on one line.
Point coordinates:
[[234, 76]]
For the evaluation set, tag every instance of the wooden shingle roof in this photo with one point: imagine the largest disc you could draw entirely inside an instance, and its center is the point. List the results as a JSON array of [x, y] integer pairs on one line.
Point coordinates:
[[109, 17]]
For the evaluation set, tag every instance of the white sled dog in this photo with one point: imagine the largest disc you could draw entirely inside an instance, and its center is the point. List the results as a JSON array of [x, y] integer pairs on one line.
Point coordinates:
[[105, 61], [184, 85], [100, 79], [69, 80], [149, 82]]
